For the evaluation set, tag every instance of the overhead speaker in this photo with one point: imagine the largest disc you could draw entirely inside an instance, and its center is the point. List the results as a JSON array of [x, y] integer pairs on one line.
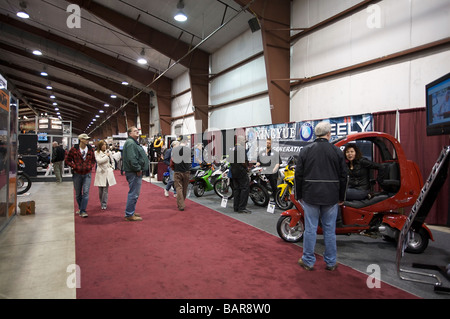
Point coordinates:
[[254, 24]]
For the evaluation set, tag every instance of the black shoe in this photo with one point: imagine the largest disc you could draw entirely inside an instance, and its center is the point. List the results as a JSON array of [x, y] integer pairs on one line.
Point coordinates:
[[331, 268], [245, 211]]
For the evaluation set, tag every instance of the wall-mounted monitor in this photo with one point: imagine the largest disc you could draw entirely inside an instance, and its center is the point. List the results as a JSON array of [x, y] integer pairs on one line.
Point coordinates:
[[438, 106]]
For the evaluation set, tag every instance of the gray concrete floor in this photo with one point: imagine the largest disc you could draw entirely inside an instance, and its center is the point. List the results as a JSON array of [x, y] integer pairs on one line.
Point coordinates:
[[36, 250]]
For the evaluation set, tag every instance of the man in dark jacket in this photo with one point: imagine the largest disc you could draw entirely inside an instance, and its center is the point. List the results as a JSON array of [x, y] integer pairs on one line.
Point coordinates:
[[135, 161], [239, 176], [81, 159], [58, 155], [320, 180]]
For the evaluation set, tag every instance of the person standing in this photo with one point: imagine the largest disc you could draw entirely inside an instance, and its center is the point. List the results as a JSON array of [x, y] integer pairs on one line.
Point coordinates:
[[104, 176], [181, 164], [320, 180], [270, 160], [58, 155], [81, 159], [239, 176], [134, 162]]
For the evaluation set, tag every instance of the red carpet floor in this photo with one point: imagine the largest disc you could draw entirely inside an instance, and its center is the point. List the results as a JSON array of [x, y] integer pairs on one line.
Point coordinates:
[[197, 254]]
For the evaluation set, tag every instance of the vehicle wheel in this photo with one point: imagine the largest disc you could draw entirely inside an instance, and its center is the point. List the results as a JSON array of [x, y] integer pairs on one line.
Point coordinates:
[[23, 183], [419, 241], [199, 189], [288, 233], [259, 195], [223, 189], [165, 180], [283, 203]]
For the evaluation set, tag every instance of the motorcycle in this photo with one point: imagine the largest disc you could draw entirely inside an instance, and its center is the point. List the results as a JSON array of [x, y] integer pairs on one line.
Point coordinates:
[[381, 215], [23, 180], [285, 189], [201, 181], [166, 176], [258, 191], [259, 184]]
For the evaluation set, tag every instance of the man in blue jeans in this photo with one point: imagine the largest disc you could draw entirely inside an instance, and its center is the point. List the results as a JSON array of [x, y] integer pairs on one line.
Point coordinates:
[[81, 159], [320, 184], [135, 161]]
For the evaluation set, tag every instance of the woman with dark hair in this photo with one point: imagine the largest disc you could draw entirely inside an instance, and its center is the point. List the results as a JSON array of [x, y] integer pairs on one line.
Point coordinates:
[[359, 173]]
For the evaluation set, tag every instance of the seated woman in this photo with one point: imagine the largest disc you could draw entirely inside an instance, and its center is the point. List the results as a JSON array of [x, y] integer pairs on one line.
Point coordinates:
[[359, 173]]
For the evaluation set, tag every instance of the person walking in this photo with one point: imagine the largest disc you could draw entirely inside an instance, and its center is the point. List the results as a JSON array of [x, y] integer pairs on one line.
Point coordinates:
[[181, 165], [104, 176], [134, 162], [320, 180], [239, 176], [81, 159], [167, 157], [58, 155]]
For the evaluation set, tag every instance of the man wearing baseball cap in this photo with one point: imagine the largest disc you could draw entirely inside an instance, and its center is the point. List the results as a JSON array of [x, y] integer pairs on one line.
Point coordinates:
[[81, 159]]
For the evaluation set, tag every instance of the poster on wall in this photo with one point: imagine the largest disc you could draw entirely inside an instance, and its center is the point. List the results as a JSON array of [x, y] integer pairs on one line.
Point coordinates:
[[289, 138]]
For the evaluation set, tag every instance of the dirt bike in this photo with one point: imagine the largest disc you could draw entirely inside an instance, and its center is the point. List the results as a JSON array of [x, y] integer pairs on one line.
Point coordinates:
[[285, 189], [258, 186], [382, 214], [23, 180]]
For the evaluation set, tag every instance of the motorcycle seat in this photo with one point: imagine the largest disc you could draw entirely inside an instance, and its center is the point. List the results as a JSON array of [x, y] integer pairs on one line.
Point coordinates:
[[366, 202]]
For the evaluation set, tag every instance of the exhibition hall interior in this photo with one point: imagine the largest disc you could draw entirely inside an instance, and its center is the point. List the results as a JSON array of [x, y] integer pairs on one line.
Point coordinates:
[[98, 98]]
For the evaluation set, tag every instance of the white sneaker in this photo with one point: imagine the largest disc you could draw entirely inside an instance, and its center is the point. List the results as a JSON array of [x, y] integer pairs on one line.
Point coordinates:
[[166, 193]]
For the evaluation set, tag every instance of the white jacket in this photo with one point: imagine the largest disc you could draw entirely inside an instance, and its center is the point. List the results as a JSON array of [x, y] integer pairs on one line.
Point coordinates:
[[105, 170]]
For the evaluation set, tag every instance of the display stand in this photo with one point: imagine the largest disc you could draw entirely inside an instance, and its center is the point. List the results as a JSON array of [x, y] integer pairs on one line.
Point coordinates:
[[417, 217]]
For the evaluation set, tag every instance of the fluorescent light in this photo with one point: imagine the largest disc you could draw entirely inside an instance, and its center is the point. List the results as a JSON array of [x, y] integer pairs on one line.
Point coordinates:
[[43, 73], [125, 82], [113, 96], [142, 61], [49, 87], [22, 14], [106, 105], [37, 52], [180, 16]]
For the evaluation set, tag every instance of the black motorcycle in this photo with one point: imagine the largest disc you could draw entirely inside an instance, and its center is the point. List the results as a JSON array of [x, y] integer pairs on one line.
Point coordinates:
[[23, 180]]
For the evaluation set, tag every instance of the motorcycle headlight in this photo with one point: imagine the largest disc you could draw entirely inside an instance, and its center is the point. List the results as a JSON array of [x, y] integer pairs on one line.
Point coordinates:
[[200, 174]]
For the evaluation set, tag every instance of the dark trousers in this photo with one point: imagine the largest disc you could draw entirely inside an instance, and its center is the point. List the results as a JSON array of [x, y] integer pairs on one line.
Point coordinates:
[[241, 190]]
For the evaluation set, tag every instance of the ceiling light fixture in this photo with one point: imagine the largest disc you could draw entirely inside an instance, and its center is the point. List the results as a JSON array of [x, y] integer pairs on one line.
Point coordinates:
[[142, 59], [22, 13], [37, 52], [180, 16], [113, 96]]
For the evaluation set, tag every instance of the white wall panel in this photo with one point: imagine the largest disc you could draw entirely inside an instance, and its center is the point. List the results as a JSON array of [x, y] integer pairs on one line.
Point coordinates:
[[401, 25], [239, 49], [251, 113], [430, 21], [241, 82]]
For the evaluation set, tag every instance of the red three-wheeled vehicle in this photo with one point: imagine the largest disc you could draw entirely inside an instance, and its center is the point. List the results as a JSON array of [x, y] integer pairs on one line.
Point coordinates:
[[385, 213]]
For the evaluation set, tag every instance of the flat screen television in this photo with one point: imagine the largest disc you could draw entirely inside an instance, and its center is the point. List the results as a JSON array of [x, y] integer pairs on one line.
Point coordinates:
[[438, 106], [42, 137]]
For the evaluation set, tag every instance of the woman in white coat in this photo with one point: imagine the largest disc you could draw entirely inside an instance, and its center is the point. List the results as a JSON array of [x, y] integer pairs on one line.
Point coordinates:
[[104, 176]]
